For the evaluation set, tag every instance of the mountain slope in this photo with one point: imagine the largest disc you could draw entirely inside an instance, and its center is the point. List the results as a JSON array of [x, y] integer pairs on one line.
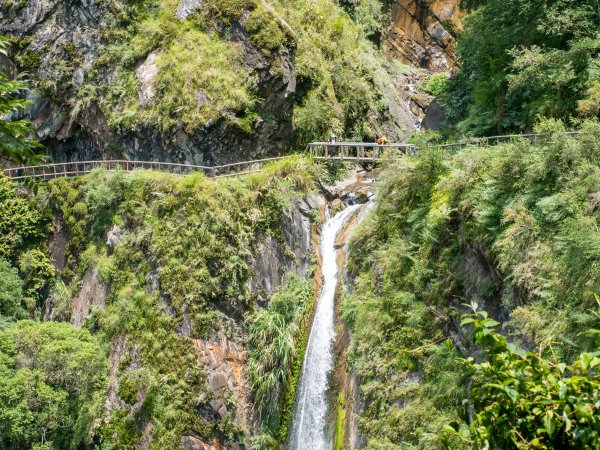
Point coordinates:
[[200, 81]]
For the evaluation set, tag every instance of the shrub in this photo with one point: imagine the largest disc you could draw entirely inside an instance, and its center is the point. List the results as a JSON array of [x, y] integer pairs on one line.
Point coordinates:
[[273, 348], [196, 64], [50, 374], [436, 84], [11, 290], [37, 272], [530, 400], [266, 31], [21, 221]]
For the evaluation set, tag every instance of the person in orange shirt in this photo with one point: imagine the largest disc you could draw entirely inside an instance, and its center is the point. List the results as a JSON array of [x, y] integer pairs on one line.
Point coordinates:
[[382, 140]]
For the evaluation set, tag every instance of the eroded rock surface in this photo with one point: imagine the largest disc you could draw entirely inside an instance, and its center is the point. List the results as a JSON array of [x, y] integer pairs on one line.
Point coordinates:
[[194, 443], [273, 258], [58, 242], [93, 293], [422, 32], [224, 362], [61, 42]]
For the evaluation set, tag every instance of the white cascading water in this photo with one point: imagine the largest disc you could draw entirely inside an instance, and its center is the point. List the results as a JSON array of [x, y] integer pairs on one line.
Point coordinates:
[[310, 417]]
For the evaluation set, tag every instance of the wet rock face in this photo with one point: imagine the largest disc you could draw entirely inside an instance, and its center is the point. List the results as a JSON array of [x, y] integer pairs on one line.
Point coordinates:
[[93, 293], [422, 32], [58, 242], [68, 38], [273, 259], [224, 362]]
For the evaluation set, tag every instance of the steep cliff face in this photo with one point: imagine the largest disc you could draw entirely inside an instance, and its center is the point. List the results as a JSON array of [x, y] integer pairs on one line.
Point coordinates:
[[175, 279], [196, 81], [93, 100], [422, 32]]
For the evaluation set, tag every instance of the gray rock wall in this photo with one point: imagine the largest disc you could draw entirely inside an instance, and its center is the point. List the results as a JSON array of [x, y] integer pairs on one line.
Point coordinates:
[[68, 37], [274, 258]]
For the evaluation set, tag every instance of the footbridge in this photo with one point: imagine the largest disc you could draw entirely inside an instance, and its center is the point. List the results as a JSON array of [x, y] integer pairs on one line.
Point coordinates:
[[359, 152]]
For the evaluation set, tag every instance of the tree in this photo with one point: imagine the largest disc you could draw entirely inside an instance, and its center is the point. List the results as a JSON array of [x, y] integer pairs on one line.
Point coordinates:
[[11, 290], [22, 222], [50, 375], [530, 400], [524, 58], [14, 141]]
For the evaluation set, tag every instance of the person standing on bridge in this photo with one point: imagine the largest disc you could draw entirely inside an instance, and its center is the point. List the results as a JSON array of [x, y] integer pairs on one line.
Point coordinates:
[[382, 140]]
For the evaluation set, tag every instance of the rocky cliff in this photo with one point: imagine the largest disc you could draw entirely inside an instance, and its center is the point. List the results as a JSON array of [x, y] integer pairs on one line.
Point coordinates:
[[176, 279], [422, 32], [197, 81]]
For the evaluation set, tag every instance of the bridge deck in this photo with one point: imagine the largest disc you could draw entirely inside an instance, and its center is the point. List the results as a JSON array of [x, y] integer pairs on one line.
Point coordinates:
[[320, 151]]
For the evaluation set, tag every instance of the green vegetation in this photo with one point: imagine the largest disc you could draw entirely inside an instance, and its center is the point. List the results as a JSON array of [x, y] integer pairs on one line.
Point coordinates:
[[339, 76], [520, 59], [11, 291], [266, 31], [15, 143], [21, 222], [52, 377], [339, 422], [225, 82], [371, 15], [531, 400], [158, 72], [191, 65], [436, 84], [512, 227], [277, 340], [183, 257]]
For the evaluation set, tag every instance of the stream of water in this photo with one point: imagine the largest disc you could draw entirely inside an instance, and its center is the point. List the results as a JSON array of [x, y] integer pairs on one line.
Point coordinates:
[[310, 417]]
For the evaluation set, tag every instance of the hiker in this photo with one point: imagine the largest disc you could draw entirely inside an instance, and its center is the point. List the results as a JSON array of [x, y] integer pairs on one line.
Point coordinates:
[[382, 140], [333, 149]]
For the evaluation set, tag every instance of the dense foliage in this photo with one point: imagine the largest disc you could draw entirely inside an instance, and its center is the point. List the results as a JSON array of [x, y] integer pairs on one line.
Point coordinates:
[[339, 75], [15, 142], [277, 339], [531, 400], [520, 59], [177, 273], [512, 227], [51, 378]]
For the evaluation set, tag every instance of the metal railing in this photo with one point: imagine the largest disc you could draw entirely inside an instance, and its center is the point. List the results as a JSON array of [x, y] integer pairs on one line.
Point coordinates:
[[357, 151], [493, 140], [361, 151], [340, 151], [76, 168]]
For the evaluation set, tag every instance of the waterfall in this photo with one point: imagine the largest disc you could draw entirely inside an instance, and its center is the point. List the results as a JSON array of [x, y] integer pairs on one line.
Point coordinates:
[[310, 417]]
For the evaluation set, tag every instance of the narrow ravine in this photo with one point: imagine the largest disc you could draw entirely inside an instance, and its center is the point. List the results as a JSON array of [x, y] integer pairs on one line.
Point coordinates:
[[310, 417]]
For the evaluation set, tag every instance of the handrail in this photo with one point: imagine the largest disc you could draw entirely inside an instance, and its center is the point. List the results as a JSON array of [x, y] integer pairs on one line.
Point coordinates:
[[362, 144], [76, 168], [533, 137], [357, 151], [335, 151]]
